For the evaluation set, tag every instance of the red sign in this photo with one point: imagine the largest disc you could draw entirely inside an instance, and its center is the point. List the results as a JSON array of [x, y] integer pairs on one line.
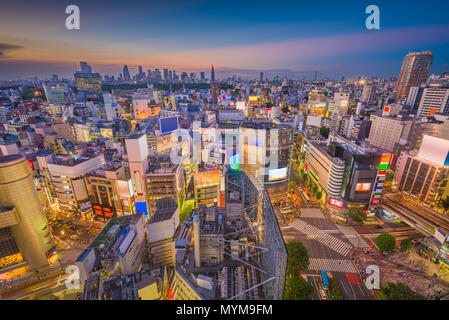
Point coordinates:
[[335, 202]]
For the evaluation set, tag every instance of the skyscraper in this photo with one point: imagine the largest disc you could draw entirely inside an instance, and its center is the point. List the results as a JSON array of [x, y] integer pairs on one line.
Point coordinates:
[[126, 75], [56, 92], [86, 80], [414, 71], [215, 87], [261, 77], [85, 67], [23, 224], [137, 149], [212, 75]]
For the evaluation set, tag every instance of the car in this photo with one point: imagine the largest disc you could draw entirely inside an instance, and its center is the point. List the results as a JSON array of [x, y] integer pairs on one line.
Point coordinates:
[[378, 227]]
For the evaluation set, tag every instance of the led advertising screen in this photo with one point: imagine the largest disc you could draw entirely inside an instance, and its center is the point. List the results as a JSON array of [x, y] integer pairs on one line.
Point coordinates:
[[363, 187], [235, 161], [435, 150], [335, 202], [168, 124], [277, 174], [142, 207]]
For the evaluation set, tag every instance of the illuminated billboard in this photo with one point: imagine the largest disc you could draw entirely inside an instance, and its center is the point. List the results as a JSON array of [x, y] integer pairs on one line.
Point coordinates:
[[168, 124], [253, 98], [240, 105], [435, 150], [235, 161], [313, 121], [336, 203], [277, 174], [363, 187]]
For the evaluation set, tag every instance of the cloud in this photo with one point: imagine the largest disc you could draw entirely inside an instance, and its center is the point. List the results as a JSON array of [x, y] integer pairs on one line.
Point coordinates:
[[5, 47]]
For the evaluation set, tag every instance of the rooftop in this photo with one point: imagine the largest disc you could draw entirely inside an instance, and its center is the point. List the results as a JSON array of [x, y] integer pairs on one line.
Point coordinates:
[[165, 208]]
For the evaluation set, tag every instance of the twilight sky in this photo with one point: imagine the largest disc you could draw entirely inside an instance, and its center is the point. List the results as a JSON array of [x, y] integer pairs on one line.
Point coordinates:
[[242, 37]]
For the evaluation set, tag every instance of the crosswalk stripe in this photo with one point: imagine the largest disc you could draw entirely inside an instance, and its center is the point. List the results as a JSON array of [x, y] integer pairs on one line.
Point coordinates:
[[324, 238], [331, 265]]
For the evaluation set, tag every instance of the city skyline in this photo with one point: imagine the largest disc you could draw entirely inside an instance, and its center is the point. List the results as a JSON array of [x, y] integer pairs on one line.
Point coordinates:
[[224, 152], [243, 41]]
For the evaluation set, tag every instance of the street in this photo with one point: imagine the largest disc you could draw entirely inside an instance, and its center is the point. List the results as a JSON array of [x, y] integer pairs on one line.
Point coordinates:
[[328, 248]]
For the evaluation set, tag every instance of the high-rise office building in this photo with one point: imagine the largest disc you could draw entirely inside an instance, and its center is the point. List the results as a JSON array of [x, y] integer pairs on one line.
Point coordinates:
[[85, 67], [137, 150], [140, 77], [424, 175], [56, 92], [24, 232], [126, 75], [387, 131], [414, 71], [89, 82], [261, 77], [86, 80]]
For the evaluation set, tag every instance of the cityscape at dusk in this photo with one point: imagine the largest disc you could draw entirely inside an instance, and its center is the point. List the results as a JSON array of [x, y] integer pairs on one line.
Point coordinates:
[[243, 154]]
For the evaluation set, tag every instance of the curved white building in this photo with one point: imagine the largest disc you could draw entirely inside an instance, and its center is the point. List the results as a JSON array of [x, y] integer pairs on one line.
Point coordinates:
[[28, 225]]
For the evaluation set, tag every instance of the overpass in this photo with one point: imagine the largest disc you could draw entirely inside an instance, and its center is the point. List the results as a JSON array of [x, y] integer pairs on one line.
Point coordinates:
[[417, 216]]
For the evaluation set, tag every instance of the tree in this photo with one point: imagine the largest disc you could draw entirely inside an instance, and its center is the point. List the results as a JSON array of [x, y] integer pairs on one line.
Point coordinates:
[[304, 177], [406, 244], [445, 204], [291, 185], [335, 289], [311, 184], [385, 242], [296, 288], [324, 132], [398, 291], [318, 195], [356, 214], [298, 258], [185, 210]]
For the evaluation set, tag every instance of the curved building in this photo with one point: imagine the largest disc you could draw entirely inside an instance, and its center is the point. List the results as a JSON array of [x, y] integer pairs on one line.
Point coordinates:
[[336, 176], [21, 212]]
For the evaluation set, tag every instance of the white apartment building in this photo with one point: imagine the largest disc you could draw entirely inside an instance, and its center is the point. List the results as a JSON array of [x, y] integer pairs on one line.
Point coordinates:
[[434, 99], [386, 132]]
